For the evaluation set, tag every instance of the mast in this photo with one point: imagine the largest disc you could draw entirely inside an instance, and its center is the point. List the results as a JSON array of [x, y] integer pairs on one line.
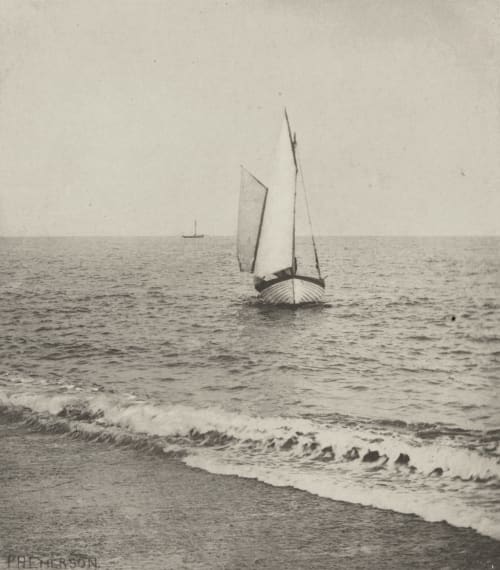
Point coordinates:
[[293, 144], [195, 227]]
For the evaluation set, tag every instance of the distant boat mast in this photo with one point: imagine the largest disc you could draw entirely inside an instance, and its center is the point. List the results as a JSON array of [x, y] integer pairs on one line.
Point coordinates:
[[195, 234]]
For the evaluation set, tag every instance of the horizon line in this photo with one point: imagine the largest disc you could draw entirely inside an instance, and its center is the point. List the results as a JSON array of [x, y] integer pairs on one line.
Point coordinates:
[[234, 235]]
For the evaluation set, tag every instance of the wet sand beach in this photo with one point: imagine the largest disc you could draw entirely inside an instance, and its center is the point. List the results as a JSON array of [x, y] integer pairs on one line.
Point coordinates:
[[127, 508]]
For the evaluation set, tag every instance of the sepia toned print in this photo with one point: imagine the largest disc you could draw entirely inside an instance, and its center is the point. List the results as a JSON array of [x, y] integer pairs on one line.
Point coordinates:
[[250, 284]]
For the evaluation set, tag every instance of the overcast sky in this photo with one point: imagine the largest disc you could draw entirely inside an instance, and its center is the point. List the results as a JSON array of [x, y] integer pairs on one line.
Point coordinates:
[[132, 117]]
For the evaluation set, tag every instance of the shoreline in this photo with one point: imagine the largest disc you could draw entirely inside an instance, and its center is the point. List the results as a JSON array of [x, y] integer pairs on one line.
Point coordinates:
[[127, 508]]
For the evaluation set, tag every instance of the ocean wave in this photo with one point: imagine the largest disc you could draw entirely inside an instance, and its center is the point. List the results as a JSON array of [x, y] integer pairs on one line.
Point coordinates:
[[302, 439], [98, 296], [336, 459], [431, 509], [484, 338], [407, 301]]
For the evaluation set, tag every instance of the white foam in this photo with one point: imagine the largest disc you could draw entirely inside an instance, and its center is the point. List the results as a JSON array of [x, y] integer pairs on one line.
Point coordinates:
[[39, 402], [180, 420], [256, 449], [422, 503]]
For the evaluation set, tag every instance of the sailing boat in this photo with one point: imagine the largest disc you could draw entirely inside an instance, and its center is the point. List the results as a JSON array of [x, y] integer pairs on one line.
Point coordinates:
[[194, 235], [266, 244]]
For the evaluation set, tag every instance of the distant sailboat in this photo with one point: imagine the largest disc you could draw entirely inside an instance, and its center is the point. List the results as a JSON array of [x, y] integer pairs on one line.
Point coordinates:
[[266, 244], [195, 234]]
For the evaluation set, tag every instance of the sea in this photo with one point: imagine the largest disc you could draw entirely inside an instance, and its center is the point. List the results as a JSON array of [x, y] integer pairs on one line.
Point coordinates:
[[385, 395]]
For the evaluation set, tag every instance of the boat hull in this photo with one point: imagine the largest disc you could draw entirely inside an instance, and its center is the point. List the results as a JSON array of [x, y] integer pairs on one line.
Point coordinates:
[[291, 290]]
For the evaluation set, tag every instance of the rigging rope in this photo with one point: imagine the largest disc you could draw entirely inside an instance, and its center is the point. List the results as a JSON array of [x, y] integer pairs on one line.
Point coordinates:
[[308, 214]]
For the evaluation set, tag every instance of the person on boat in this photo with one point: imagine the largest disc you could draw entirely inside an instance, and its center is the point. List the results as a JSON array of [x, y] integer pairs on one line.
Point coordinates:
[[284, 273], [289, 271]]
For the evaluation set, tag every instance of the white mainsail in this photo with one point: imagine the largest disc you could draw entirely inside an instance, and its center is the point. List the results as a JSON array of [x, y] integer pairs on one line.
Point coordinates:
[[251, 208], [276, 244]]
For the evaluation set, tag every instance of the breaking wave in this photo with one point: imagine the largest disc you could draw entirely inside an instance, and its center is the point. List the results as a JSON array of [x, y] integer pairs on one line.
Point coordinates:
[[302, 439], [395, 466]]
